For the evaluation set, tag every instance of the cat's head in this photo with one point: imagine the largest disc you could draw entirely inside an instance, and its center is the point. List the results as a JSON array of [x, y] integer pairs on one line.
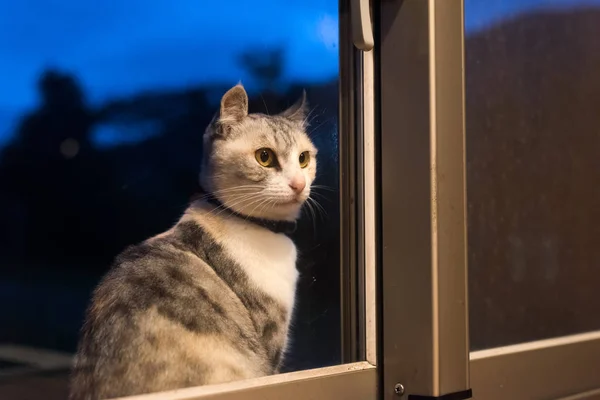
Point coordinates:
[[259, 165]]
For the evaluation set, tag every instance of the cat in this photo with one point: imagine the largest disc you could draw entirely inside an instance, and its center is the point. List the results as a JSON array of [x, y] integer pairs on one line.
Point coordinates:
[[210, 300]]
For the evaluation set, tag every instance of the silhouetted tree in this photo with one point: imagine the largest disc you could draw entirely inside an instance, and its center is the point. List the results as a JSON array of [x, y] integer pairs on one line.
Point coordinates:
[[265, 66], [60, 127], [51, 169]]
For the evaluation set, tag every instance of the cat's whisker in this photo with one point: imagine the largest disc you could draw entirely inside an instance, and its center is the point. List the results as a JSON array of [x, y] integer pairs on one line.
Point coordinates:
[[265, 103], [316, 202], [313, 130], [270, 205], [236, 201], [234, 197], [323, 187], [229, 191], [320, 195], [244, 187], [314, 218], [264, 201], [319, 208], [315, 113], [316, 211], [207, 196], [311, 115], [249, 200], [262, 206]]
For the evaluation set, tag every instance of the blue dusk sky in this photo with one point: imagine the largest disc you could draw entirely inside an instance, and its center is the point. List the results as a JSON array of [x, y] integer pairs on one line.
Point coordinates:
[[117, 48]]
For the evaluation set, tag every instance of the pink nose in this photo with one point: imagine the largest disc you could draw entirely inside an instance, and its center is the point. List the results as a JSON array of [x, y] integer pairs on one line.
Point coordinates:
[[298, 184]]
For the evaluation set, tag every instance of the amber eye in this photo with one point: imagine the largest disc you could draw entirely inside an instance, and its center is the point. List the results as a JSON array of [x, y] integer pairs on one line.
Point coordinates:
[[304, 159], [265, 157]]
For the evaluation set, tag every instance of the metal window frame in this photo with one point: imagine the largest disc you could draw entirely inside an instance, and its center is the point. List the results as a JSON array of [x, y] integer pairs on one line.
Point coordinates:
[[356, 381], [358, 193], [425, 347], [560, 368]]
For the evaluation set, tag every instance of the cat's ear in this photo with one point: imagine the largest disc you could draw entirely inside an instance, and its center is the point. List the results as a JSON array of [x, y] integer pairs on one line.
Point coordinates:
[[234, 105], [297, 112]]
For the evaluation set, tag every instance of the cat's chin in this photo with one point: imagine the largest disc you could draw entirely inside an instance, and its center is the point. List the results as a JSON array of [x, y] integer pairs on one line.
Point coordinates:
[[289, 203], [282, 211]]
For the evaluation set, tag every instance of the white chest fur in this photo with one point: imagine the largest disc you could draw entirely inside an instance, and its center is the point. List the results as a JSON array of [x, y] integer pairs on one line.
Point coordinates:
[[269, 259]]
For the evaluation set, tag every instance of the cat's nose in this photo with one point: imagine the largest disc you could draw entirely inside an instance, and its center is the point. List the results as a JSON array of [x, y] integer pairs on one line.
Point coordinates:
[[297, 184]]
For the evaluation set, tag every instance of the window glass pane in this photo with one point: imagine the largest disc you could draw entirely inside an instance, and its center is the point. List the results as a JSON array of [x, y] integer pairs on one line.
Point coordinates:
[[102, 113], [533, 89]]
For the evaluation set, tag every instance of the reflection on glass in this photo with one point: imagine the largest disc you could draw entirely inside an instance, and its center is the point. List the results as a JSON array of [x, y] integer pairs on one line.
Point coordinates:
[[533, 90], [102, 112]]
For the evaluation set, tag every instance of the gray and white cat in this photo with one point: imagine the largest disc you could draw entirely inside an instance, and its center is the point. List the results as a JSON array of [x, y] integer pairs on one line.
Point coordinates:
[[210, 300]]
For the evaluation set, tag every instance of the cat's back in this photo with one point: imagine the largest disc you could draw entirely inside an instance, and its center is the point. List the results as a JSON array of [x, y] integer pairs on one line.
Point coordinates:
[[161, 319]]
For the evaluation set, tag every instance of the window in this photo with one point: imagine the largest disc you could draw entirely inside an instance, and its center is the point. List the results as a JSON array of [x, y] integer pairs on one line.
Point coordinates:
[[532, 90], [102, 114], [452, 254], [531, 140]]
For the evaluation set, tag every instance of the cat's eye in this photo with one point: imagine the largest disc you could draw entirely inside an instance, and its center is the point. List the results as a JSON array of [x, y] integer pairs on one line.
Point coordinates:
[[304, 159], [265, 157]]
